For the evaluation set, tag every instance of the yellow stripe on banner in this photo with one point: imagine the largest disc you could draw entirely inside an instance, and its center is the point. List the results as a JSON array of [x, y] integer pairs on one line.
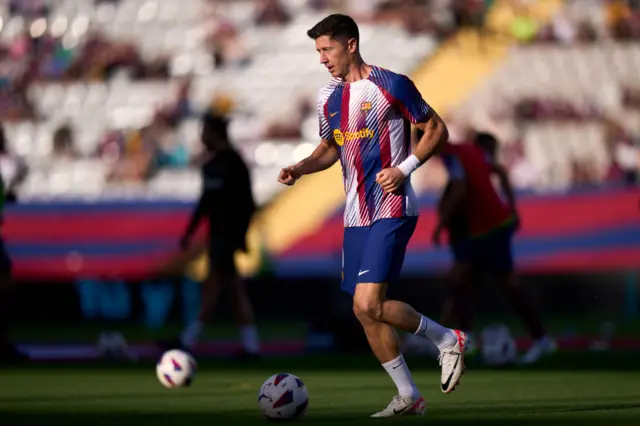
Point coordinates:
[[445, 80], [462, 64], [303, 208]]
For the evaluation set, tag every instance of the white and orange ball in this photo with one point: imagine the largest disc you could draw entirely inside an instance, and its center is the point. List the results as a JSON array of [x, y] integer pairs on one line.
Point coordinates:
[[176, 369], [283, 397]]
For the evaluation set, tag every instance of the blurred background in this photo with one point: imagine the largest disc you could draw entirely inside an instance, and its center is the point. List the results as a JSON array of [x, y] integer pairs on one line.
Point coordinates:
[[100, 99]]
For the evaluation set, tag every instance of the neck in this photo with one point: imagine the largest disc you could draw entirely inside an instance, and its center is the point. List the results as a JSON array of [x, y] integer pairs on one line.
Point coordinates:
[[359, 70]]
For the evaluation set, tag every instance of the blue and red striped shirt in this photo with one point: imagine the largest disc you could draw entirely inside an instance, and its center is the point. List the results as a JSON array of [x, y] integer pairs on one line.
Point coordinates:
[[370, 122]]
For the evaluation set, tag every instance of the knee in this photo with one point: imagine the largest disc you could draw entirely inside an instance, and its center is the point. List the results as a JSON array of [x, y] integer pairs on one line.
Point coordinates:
[[366, 309]]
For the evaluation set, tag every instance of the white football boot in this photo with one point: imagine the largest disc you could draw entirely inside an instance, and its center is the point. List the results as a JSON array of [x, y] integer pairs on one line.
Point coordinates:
[[400, 406], [452, 362]]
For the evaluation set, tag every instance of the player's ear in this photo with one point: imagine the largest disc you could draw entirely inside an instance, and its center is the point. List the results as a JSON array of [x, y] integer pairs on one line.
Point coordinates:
[[352, 45]]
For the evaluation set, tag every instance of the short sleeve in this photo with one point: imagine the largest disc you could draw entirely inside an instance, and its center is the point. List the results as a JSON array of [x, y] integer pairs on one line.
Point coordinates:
[[323, 122], [409, 100], [453, 166]]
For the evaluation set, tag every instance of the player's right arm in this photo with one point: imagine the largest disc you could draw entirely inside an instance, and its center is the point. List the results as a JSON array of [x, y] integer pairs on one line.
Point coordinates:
[[326, 153], [324, 156], [507, 189]]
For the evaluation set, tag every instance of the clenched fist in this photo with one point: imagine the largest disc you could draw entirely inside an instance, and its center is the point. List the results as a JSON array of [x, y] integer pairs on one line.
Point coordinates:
[[391, 179], [288, 176]]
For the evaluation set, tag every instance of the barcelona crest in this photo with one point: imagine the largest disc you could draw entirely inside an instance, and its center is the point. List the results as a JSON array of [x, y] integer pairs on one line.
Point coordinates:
[[365, 107]]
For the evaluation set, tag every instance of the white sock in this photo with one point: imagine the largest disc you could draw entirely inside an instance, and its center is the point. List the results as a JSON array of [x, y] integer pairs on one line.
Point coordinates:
[[191, 334], [249, 337], [401, 376], [442, 336]]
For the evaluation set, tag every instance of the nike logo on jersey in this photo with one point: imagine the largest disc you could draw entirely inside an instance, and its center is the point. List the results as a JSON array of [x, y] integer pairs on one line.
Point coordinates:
[[331, 114], [362, 272], [445, 385]]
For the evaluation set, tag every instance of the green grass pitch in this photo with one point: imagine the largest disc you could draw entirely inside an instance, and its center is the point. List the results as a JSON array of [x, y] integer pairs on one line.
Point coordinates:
[[340, 393]]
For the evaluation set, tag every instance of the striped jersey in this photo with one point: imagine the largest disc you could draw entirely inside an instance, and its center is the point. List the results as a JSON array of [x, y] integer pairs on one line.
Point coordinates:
[[370, 121]]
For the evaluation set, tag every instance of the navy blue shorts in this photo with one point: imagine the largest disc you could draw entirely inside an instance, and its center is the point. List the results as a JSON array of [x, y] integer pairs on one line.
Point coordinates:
[[491, 253], [375, 254], [222, 255]]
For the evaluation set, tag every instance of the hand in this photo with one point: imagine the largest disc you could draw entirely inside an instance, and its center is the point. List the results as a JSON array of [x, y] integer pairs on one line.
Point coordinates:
[[288, 176], [436, 236], [184, 243], [391, 179]]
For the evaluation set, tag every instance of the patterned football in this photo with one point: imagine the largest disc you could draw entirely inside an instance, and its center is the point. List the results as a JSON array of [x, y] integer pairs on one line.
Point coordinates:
[[283, 396], [176, 369]]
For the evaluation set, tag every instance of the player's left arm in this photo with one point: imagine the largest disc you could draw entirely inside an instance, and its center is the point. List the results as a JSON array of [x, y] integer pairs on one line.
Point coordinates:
[[505, 184], [435, 136], [410, 103]]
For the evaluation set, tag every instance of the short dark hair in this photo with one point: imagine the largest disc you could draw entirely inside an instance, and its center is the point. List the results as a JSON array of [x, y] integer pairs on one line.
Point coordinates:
[[335, 26], [487, 142]]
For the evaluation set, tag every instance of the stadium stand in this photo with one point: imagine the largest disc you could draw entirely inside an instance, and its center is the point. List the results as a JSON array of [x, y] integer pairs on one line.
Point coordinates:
[[129, 78], [562, 100]]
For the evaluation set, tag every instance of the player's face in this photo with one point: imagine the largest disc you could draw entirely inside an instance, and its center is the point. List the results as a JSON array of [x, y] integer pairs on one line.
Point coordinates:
[[335, 55]]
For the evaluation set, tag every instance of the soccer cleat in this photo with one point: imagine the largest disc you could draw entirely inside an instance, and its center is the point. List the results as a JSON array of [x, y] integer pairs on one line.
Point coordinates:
[[540, 347], [402, 405], [452, 362]]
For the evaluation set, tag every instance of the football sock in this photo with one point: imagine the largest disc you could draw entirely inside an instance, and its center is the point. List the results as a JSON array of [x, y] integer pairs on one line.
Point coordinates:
[[249, 338], [401, 376], [442, 336], [191, 334]]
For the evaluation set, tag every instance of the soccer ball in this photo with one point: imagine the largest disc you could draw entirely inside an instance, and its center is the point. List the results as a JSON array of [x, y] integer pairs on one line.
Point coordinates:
[[283, 397], [176, 369], [498, 346]]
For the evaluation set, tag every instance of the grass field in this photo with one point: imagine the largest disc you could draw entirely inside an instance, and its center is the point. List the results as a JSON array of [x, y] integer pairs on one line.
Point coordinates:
[[596, 389]]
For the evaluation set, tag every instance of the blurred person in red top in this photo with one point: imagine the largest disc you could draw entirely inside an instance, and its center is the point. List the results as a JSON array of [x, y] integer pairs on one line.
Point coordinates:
[[481, 227]]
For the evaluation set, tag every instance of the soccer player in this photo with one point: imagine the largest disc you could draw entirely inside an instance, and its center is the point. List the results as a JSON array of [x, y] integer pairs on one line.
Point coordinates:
[[481, 228], [227, 202], [365, 115]]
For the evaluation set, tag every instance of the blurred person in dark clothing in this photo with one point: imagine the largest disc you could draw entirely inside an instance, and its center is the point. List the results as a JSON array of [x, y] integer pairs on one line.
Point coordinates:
[[8, 351], [227, 204]]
